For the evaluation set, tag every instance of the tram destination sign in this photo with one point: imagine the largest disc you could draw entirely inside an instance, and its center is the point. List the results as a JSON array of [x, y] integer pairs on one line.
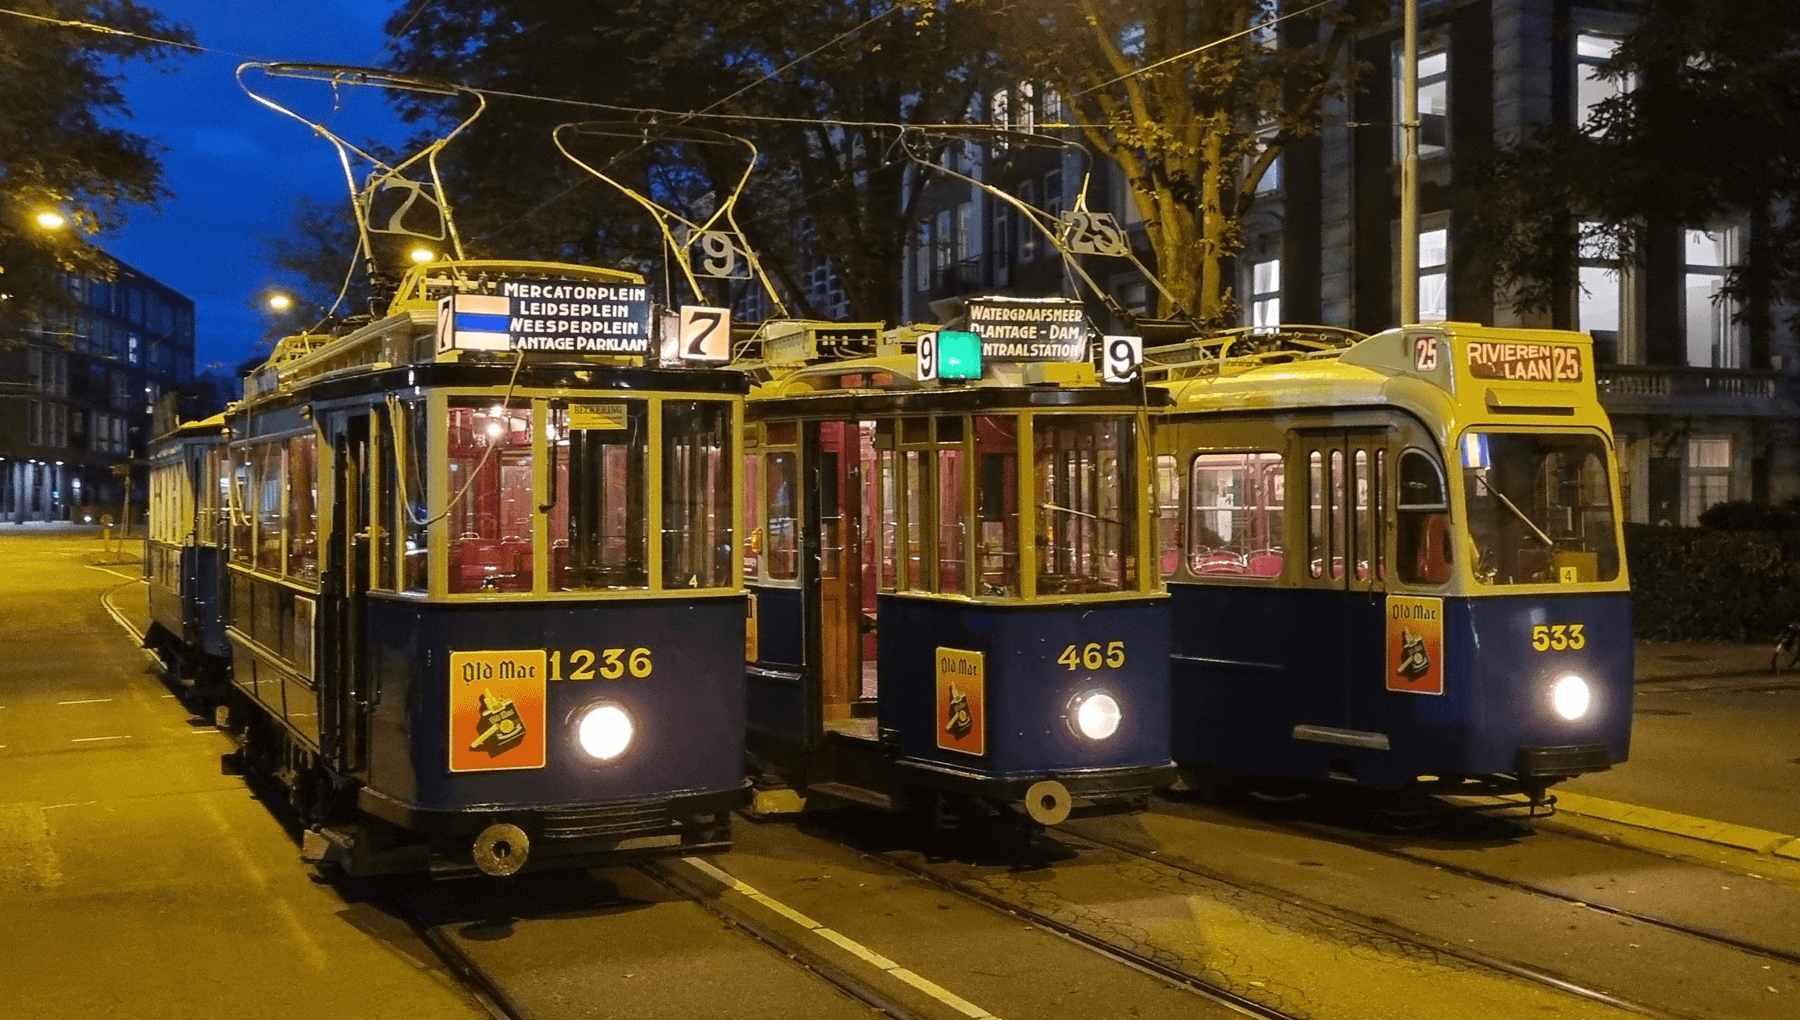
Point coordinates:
[[1490, 359], [548, 315], [1028, 329]]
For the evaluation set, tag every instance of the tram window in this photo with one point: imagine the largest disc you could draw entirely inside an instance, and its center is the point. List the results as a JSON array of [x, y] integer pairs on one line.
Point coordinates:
[[1168, 514], [697, 489], [414, 529], [915, 430], [890, 518], [1235, 522], [1540, 508], [381, 496], [753, 514], [997, 506], [784, 538], [489, 520], [953, 532], [302, 508], [1315, 522], [241, 510], [917, 575], [1363, 524], [1339, 512], [831, 514], [265, 474], [1086, 492], [1423, 549], [211, 482], [599, 515]]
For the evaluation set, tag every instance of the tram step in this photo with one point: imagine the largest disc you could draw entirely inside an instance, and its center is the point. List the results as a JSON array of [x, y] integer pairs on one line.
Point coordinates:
[[853, 794]]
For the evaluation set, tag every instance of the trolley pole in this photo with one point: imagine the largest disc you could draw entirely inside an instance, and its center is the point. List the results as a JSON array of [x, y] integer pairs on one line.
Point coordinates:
[[1409, 167]]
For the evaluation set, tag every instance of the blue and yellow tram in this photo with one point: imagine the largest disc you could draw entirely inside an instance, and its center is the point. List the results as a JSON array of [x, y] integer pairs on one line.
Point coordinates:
[[1395, 562], [951, 605], [182, 564], [485, 593]]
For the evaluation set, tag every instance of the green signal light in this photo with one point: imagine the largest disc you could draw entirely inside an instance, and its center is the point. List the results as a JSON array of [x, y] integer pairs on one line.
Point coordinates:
[[959, 354]]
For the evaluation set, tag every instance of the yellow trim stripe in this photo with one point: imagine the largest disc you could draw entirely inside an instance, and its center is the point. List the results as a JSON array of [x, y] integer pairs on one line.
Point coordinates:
[[844, 942], [1743, 837]]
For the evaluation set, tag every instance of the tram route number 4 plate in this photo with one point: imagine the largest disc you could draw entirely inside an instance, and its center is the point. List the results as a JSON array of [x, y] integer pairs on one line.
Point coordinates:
[[497, 709]]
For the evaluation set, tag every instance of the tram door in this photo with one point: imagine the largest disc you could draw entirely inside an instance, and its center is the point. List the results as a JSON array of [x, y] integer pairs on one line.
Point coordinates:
[[840, 572], [1345, 562], [348, 572]]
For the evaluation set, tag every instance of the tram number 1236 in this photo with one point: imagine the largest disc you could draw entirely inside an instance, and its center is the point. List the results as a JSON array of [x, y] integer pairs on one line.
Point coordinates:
[[1093, 655], [604, 664]]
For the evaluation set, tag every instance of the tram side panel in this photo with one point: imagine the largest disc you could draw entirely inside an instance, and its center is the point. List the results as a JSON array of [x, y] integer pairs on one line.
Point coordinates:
[[778, 701]]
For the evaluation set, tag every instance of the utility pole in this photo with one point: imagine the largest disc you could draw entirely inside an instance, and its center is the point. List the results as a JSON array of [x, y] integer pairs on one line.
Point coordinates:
[[1409, 167]]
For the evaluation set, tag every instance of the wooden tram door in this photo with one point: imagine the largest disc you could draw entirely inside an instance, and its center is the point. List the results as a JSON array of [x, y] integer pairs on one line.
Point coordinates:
[[836, 505], [342, 690]]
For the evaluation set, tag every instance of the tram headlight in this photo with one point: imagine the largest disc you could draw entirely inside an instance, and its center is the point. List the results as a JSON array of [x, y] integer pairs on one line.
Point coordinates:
[[1570, 696], [604, 730], [1094, 714]]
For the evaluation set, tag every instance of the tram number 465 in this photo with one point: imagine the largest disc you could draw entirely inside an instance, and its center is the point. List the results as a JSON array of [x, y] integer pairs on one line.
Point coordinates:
[[1093, 655], [1557, 637], [608, 664]]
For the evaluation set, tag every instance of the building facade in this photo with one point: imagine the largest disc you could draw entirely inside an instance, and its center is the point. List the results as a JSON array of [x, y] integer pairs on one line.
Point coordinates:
[[1701, 396], [76, 390]]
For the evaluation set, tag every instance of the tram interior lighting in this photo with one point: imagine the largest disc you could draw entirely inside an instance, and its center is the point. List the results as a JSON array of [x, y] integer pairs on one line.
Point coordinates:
[[1096, 715], [1570, 697], [959, 354], [604, 731]]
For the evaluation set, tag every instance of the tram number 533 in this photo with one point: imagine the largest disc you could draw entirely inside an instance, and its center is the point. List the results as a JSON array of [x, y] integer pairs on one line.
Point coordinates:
[[608, 664], [1558, 637], [1093, 655]]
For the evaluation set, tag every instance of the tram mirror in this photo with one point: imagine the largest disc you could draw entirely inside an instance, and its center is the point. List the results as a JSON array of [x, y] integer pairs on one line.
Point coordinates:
[[959, 354]]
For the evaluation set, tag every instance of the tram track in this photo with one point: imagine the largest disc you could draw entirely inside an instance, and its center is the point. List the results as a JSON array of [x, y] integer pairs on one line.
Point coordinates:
[[1385, 927]]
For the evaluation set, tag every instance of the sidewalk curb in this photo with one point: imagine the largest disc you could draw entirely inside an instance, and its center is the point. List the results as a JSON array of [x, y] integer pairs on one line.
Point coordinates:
[[1742, 837]]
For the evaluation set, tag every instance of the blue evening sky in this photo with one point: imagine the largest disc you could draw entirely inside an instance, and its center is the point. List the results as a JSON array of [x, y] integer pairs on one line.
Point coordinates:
[[235, 167]]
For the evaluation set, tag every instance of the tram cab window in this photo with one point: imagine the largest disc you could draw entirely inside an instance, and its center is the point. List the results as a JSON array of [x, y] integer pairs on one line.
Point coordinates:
[[302, 508], [1086, 490], [489, 519], [414, 527], [213, 495], [913, 464], [1168, 514], [599, 513], [1540, 508], [241, 510], [997, 504], [1235, 519], [953, 523], [697, 488], [266, 479], [782, 548], [1424, 549], [883, 473], [753, 514]]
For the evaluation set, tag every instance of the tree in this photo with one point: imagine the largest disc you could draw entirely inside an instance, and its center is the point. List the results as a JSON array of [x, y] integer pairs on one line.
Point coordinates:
[[1195, 100], [803, 81], [60, 146], [1702, 128]]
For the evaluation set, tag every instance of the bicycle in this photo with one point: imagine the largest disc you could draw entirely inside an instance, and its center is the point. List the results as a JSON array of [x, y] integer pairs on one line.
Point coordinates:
[[1787, 649]]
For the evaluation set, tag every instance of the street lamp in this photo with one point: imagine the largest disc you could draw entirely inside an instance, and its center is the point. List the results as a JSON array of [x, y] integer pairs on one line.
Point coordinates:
[[51, 220], [422, 255], [280, 302]]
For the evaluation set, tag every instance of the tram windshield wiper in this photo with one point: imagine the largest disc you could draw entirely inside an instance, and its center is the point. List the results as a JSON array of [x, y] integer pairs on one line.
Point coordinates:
[[1481, 476], [1077, 513]]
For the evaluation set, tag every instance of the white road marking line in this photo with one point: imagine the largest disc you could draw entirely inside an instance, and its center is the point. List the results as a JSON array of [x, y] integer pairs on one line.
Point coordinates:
[[88, 701], [89, 740], [857, 949], [314, 954], [115, 573], [168, 695]]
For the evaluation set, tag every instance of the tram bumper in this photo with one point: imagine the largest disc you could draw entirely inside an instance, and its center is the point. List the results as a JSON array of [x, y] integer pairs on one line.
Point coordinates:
[[1049, 797], [1567, 760]]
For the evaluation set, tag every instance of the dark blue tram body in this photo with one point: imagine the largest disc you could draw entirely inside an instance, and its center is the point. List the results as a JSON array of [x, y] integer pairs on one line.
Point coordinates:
[[484, 609], [183, 566], [947, 602], [1398, 565]]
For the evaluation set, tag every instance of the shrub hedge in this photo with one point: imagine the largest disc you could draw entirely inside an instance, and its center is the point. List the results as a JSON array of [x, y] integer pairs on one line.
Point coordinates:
[[1700, 584]]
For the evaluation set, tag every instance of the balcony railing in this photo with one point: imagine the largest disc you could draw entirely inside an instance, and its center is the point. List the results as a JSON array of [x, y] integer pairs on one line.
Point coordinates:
[[1680, 388]]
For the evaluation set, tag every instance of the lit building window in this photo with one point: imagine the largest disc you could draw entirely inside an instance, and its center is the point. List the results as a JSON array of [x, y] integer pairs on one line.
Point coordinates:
[[1709, 475], [1434, 101], [1265, 293], [1711, 335], [1597, 304], [1590, 89], [1434, 275]]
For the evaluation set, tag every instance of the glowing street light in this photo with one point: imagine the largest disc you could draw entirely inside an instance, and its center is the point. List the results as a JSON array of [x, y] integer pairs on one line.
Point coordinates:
[[50, 220], [422, 255], [280, 302]]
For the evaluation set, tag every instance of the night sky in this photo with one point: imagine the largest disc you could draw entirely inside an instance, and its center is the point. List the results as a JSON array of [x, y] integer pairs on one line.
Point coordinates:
[[235, 167]]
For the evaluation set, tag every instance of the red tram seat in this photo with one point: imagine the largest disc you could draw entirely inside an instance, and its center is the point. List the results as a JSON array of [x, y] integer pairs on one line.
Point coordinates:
[[472, 561], [1265, 563], [1219, 562], [1433, 565]]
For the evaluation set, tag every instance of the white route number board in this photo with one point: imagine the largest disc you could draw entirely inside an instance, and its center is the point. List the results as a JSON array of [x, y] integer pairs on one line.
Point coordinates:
[[1121, 358], [705, 333]]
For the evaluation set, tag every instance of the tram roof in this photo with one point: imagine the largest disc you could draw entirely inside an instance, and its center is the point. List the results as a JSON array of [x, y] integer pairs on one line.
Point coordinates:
[[1450, 371]]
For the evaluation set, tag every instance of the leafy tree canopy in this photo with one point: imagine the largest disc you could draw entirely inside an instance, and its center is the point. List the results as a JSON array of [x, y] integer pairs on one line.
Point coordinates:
[[62, 146], [1704, 128]]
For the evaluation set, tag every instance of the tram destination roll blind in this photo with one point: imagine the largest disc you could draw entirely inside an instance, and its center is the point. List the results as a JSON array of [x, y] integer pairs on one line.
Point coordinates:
[[548, 315], [1027, 329]]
